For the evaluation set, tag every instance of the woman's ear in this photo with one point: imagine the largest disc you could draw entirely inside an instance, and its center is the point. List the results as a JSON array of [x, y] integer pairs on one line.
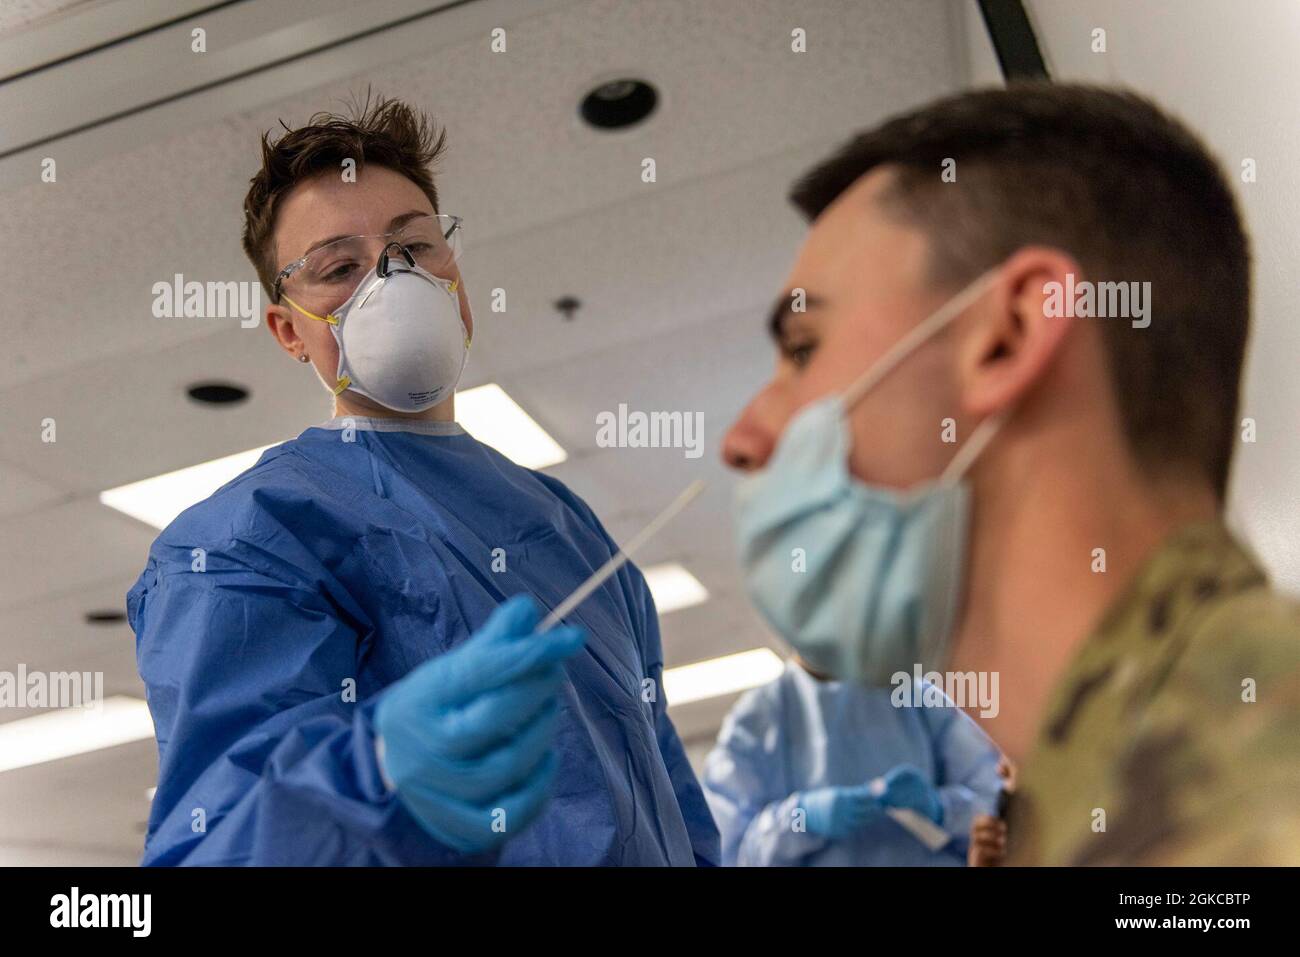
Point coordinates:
[[1011, 338], [280, 324]]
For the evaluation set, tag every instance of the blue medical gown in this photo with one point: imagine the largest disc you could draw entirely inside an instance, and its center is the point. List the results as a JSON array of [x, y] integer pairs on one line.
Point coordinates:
[[798, 733], [331, 569]]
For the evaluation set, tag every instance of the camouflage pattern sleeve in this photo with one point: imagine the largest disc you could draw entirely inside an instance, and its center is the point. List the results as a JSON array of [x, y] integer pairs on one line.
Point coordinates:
[[1174, 736], [1216, 762]]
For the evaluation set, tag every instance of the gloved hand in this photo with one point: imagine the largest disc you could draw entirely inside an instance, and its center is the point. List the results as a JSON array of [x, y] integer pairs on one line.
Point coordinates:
[[905, 786], [838, 812], [470, 733]]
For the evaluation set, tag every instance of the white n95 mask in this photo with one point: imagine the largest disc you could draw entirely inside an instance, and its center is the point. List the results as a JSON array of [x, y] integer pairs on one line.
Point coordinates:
[[863, 581], [402, 341]]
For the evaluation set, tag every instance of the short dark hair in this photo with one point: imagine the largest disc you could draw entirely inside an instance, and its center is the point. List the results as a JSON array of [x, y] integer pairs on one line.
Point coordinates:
[[384, 132], [1109, 178]]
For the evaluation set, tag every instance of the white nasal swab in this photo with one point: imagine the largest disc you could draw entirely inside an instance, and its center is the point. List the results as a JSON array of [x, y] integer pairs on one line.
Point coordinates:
[[614, 564], [918, 825]]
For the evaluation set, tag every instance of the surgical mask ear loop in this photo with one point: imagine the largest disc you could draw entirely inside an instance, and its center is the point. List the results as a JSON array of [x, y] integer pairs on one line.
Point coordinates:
[[914, 339], [967, 454], [923, 331]]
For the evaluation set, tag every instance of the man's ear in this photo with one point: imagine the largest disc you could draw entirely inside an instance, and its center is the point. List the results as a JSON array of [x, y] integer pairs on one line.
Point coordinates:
[[1016, 330]]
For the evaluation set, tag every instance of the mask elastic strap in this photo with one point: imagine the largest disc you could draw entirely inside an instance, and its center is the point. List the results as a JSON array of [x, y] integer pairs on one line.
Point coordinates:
[[916, 337], [331, 318], [967, 454], [343, 382], [455, 285]]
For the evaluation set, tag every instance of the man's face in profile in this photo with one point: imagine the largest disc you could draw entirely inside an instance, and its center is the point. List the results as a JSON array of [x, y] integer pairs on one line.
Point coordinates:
[[864, 278]]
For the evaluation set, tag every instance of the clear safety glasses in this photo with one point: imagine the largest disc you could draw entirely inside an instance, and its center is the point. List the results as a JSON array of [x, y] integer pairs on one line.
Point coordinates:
[[332, 270]]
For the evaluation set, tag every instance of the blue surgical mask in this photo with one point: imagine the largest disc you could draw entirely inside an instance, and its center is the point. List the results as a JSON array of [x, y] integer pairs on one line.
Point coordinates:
[[863, 581]]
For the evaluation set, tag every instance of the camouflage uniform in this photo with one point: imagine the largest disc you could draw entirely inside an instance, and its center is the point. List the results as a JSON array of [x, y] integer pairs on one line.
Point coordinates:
[[1150, 724]]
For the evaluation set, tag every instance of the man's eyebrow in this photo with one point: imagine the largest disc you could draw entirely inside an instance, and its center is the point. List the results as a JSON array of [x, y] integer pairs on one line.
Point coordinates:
[[782, 309], [397, 222]]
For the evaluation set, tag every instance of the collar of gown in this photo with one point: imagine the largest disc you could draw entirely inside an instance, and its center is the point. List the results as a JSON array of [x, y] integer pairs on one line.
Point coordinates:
[[393, 425]]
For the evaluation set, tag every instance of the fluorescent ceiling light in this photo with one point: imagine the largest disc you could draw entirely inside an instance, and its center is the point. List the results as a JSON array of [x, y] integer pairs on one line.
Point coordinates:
[[486, 412], [156, 501], [495, 419], [119, 719], [673, 587], [719, 676]]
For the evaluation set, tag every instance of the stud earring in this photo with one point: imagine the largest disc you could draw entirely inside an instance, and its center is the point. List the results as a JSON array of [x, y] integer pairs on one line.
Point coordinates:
[[303, 359]]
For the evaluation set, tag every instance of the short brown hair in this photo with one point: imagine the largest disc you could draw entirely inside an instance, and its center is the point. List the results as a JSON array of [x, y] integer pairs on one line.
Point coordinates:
[[1129, 192], [386, 132]]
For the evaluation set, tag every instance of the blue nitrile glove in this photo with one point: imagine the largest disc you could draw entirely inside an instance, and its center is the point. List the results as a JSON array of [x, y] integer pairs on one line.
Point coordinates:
[[470, 733], [838, 812], [905, 786]]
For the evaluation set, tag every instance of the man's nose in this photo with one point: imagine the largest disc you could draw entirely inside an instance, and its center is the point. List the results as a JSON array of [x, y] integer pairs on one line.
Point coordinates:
[[749, 442]]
